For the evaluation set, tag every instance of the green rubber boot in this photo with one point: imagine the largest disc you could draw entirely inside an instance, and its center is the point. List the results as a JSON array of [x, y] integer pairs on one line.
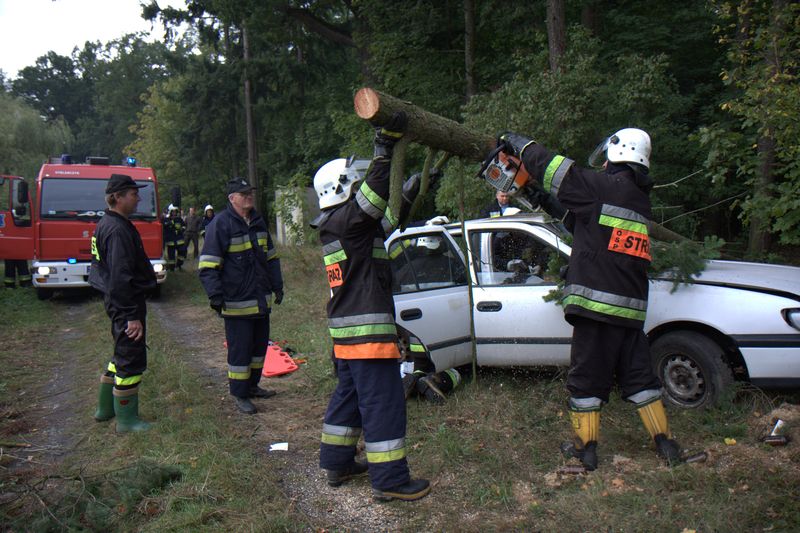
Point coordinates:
[[105, 399], [126, 407]]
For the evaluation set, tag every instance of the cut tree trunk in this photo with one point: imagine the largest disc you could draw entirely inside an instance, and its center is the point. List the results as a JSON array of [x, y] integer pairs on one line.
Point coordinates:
[[441, 133]]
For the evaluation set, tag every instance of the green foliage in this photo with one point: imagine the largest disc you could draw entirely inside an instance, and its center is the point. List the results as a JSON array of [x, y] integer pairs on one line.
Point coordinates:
[[682, 261], [26, 139]]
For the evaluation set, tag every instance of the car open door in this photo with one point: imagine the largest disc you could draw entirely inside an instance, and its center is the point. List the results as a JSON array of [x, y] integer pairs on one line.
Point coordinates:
[[16, 229], [513, 324], [430, 293]]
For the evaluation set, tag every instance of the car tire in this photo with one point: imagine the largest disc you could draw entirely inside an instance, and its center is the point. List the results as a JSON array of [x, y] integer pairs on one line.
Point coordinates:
[[44, 294], [691, 368]]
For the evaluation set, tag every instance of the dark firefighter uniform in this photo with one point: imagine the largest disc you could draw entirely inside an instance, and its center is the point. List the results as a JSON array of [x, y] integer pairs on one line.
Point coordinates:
[[239, 268], [174, 230], [17, 269], [361, 320], [606, 290], [123, 273]]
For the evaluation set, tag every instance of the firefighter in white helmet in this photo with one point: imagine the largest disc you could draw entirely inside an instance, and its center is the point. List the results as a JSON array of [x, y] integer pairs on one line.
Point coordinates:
[[353, 225], [174, 238], [606, 291]]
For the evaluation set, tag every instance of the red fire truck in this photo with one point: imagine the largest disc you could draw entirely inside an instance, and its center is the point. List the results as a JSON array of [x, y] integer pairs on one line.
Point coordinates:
[[56, 234]]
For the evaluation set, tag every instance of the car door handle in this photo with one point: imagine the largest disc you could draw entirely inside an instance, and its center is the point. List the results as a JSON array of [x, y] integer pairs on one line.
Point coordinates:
[[489, 307], [411, 314]]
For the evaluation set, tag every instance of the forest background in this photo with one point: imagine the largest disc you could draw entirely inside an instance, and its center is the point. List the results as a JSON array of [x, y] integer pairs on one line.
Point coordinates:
[[715, 83]]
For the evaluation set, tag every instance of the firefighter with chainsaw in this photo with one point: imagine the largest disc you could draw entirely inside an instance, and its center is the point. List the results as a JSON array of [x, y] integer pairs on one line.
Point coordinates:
[[353, 225], [174, 239], [123, 273], [606, 285], [240, 272]]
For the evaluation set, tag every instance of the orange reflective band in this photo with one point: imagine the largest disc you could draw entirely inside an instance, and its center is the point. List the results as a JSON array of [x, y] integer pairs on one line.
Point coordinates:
[[334, 275], [630, 242], [367, 350]]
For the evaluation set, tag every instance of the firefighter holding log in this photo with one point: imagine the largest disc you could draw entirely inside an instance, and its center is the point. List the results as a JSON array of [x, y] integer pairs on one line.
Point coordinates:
[[606, 291], [355, 220]]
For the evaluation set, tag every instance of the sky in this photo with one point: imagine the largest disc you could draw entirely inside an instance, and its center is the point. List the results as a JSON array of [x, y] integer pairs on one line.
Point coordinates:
[[31, 28]]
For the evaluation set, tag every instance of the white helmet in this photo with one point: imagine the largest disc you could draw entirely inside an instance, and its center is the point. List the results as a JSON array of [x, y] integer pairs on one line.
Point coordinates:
[[335, 179], [206, 208], [171, 208], [628, 145]]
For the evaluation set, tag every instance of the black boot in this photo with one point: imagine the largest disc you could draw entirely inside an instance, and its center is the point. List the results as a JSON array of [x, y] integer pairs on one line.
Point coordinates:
[[668, 449], [587, 455], [414, 489], [410, 383], [428, 388], [245, 405], [337, 477]]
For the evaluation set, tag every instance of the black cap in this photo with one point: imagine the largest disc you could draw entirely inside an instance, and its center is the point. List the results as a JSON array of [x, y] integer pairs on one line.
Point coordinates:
[[239, 185], [121, 182]]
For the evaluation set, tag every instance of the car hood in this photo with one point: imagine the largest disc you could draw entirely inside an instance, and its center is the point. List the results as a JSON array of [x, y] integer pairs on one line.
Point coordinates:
[[755, 276]]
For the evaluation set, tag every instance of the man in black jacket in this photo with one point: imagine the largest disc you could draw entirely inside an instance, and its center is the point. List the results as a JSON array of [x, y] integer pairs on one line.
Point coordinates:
[[240, 271], [123, 273], [606, 292]]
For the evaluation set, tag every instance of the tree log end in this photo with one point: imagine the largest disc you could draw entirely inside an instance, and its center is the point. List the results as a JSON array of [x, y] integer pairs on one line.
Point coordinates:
[[367, 103]]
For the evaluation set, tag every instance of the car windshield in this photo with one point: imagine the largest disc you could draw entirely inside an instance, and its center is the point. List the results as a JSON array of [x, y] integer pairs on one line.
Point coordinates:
[[83, 199]]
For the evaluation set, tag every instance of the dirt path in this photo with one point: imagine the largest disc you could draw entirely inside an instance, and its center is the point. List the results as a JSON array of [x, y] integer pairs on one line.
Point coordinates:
[[293, 416]]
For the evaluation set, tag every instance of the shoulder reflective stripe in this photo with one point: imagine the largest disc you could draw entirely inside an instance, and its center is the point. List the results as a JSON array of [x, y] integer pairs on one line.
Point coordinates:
[[555, 172], [621, 212], [367, 206], [384, 451], [606, 309], [360, 320], [373, 198], [606, 297], [361, 331], [334, 257], [132, 380]]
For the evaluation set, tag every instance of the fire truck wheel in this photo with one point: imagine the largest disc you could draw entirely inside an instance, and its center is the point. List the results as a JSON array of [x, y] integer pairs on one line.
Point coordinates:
[[44, 294]]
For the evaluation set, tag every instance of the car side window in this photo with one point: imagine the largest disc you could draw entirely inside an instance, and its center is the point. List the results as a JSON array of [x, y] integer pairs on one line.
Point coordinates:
[[510, 257], [425, 262]]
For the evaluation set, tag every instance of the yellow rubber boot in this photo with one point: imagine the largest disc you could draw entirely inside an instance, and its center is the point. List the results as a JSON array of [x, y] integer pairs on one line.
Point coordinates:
[[654, 418], [586, 425]]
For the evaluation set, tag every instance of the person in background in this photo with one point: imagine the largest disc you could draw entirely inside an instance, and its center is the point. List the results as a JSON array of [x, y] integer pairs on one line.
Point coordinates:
[[498, 206], [192, 234], [174, 238], [208, 216], [123, 273]]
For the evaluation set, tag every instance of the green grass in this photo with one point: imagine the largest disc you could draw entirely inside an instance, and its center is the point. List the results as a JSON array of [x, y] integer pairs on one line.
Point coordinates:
[[491, 450]]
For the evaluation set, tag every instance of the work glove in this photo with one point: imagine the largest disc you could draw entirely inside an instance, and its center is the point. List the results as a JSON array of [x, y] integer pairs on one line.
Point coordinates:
[[216, 304], [411, 188], [513, 143], [388, 134], [438, 220], [278, 296]]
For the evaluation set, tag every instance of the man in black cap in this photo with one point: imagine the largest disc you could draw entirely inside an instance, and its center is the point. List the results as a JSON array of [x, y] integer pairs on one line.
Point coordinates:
[[240, 271], [123, 273]]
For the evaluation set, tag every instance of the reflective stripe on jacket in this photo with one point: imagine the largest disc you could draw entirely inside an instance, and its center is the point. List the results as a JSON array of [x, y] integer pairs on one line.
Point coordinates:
[[239, 264], [607, 275]]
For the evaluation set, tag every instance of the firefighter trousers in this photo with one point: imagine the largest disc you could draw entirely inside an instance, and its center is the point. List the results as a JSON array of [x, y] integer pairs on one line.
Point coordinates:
[[130, 357], [17, 269], [247, 345], [369, 398], [174, 250], [601, 352]]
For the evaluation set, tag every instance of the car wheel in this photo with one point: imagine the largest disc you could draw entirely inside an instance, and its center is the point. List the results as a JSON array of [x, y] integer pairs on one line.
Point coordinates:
[[44, 294], [691, 368]]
